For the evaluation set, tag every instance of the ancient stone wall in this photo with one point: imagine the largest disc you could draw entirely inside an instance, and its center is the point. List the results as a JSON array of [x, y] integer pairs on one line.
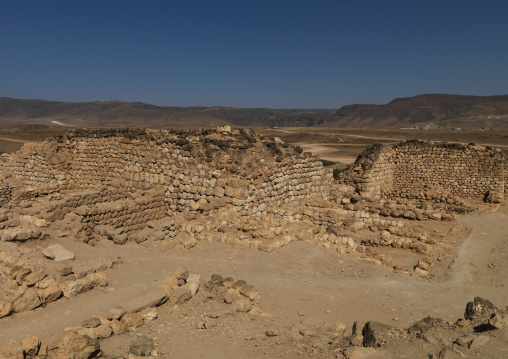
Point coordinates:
[[463, 170], [57, 209], [420, 169], [5, 192], [201, 170]]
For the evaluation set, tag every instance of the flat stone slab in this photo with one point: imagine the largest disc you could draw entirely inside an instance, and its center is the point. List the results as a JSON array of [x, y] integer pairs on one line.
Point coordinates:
[[150, 298], [57, 253]]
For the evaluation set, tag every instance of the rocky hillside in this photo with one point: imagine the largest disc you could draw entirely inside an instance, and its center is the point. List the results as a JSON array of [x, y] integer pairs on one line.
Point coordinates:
[[427, 111], [114, 113]]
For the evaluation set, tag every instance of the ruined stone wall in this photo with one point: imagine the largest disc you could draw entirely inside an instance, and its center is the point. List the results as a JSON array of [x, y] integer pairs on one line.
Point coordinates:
[[413, 168], [5, 192], [130, 215], [59, 208], [193, 170], [34, 166], [381, 175], [465, 171], [287, 185]]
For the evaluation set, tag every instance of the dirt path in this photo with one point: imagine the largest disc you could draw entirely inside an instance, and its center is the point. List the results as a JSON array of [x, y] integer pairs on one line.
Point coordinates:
[[299, 279], [60, 123], [13, 140]]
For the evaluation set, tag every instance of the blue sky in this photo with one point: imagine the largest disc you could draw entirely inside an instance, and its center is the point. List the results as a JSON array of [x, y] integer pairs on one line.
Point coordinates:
[[276, 54]]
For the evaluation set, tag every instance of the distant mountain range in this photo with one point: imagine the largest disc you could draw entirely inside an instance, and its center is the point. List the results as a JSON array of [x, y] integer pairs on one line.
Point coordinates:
[[426, 111]]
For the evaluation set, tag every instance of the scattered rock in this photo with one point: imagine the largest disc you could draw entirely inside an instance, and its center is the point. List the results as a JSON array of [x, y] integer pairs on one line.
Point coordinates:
[[478, 307], [150, 298], [57, 253], [425, 324], [93, 322], [26, 301], [115, 314], [372, 333], [76, 346], [142, 346], [498, 321], [5, 309], [30, 345]]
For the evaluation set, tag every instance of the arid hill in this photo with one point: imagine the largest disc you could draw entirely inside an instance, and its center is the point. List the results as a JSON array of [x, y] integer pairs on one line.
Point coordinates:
[[114, 113], [426, 111]]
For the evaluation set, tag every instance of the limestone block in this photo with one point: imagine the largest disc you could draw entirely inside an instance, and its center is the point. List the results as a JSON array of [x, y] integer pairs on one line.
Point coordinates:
[[5, 309], [57, 253], [149, 298], [27, 301]]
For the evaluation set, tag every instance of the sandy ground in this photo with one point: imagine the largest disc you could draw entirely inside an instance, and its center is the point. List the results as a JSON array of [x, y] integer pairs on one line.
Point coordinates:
[[301, 281], [326, 153]]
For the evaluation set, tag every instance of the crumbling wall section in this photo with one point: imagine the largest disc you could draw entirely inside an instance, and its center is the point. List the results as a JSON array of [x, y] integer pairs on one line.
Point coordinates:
[[464, 170], [195, 170], [289, 184], [129, 215], [372, 172], [5, 192], [423, 169], [33, 166]]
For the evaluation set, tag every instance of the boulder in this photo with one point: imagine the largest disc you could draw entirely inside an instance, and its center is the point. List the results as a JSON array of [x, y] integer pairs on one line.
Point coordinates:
[[372, 332], [149, 314], [243, 305], [117, 326], [478, 309], [181, 295]]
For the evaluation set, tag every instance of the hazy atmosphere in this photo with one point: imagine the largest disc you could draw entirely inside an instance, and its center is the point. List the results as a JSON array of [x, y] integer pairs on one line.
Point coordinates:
[[283, 54]]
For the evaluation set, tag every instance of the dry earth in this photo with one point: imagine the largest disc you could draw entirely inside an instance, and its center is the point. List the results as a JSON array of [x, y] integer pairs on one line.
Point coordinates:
[[300, 283], [307, 292]]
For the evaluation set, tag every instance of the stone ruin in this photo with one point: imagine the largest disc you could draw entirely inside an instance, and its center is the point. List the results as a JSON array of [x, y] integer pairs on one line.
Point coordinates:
[[236, 186], [178, 187], [428, 170]]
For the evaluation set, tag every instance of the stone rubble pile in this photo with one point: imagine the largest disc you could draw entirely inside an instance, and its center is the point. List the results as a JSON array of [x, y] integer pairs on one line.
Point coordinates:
[[483, 323], [31, 279], [83, 341]]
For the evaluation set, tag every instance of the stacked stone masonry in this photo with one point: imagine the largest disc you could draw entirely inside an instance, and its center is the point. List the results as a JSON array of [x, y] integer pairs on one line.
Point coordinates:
[[417, 169], [201, 170]]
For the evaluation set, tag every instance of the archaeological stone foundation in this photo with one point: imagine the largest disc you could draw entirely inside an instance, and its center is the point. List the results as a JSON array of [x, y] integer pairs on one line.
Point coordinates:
[[178, 187]]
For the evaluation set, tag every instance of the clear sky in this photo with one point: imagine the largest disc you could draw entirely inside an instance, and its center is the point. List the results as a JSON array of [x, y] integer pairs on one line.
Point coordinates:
[[276, 54]]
